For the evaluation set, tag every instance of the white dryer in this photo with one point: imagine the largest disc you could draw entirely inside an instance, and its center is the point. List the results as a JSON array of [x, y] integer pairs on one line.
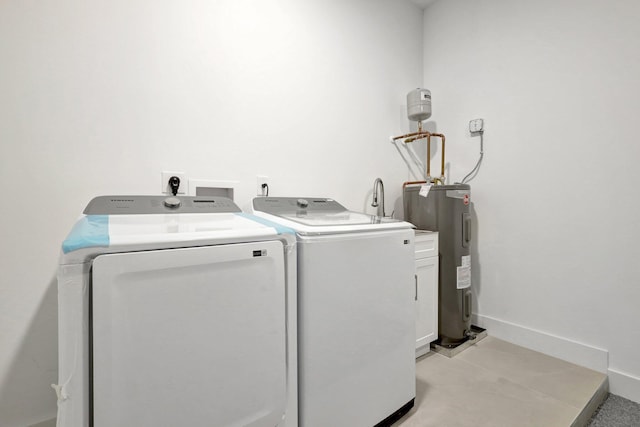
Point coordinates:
[[356, 313], [176, 312]]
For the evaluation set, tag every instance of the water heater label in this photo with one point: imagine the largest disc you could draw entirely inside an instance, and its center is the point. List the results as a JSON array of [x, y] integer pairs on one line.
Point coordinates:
[[466, 261], [424, 190], [463, 277]]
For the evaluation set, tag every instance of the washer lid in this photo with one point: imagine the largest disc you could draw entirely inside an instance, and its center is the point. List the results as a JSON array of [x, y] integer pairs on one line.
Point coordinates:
[[312, 215], [312, 211], [97, 234]]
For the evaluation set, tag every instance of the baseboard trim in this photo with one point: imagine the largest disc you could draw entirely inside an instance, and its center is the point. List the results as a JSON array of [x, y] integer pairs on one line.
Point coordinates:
[[625, 385], [553, 345]]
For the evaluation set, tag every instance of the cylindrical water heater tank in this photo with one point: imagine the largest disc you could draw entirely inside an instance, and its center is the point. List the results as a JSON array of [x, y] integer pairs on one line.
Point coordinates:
[[419, 105]]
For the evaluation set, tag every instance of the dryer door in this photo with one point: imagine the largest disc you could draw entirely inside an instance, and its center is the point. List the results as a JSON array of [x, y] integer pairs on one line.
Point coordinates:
[[190, 337]]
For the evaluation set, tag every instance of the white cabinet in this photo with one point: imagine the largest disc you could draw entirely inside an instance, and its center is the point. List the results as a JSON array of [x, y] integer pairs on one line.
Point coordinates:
[[426, 299]]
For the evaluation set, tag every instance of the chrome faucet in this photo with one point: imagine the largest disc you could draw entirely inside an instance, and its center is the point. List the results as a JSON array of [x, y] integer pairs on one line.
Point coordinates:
[[378, 183]]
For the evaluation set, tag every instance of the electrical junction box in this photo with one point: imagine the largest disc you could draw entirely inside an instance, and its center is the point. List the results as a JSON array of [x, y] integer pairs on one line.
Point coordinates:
[[476, 125]]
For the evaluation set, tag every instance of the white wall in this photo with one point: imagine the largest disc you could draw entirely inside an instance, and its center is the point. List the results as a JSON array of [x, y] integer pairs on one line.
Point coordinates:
[[556, 261], [97, 97]]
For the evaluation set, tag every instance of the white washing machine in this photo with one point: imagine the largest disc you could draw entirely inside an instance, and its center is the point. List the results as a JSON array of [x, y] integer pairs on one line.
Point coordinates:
[[356, 313], [176, 312]]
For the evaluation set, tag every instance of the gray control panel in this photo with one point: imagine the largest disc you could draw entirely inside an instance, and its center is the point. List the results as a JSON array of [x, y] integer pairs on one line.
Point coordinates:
[[284, 205], [137, 205]]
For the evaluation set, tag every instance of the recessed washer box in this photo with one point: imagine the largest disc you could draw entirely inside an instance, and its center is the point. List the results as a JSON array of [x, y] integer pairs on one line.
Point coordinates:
[[212, 188]]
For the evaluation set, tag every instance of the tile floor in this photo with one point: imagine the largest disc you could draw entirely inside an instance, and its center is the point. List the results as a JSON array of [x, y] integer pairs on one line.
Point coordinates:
[[497, 384]]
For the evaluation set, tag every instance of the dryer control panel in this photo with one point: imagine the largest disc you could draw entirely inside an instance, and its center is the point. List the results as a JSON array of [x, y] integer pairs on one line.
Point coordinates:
[[141, 205]]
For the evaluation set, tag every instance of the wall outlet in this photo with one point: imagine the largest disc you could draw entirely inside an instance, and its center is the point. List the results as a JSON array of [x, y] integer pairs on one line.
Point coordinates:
[[476, 125], [260, 181], [166, 188]]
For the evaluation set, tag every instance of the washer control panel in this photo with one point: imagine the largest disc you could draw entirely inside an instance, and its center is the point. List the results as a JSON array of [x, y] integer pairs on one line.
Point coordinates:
[[140, 205], [283, 205]]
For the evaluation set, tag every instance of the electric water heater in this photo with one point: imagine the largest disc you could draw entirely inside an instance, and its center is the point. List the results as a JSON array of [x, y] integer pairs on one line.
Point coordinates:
[[445, 209]]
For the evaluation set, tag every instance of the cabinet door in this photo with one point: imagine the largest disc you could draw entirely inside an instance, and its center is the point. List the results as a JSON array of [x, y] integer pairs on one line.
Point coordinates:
[[426, 303]]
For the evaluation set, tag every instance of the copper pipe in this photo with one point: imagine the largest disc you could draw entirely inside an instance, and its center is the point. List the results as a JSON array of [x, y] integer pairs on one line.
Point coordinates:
[[412, 183], [415, 136], [441, 136], [442, 164], [429, 157], [433, 181], [395, 138]]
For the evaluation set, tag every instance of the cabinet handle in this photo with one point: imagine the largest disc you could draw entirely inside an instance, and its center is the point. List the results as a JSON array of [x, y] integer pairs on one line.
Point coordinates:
[[416, 277]]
